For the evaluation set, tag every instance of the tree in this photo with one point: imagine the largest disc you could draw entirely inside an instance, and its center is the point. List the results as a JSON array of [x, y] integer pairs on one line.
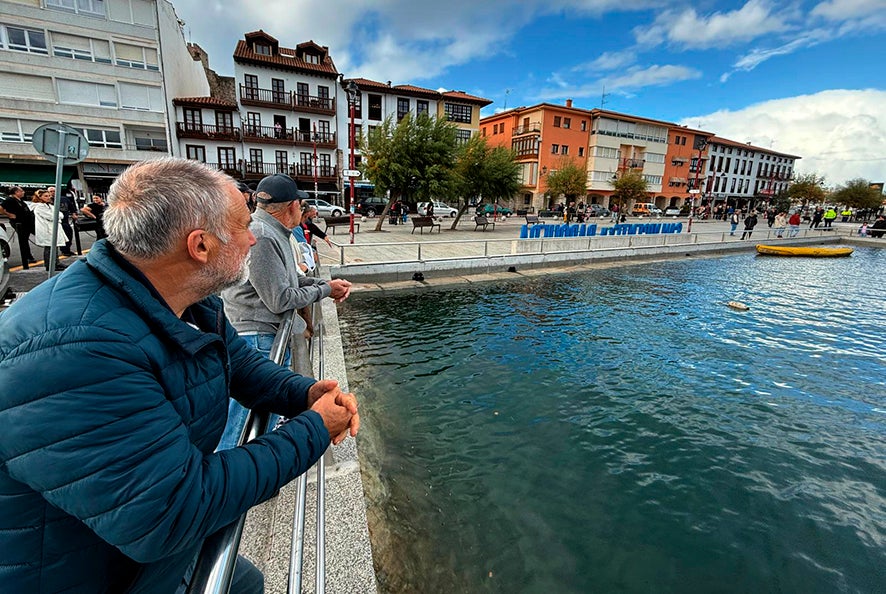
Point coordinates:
[[569, 180], [413, 158], [631, 185], [807, 189], [483, 171], [857, 193]]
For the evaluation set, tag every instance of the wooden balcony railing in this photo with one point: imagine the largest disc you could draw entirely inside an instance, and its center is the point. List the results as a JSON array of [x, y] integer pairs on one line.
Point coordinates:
[[325, 172], [205, 131], [534, 127], [307, 138], [265, 97], [271, 134], [324, 105]]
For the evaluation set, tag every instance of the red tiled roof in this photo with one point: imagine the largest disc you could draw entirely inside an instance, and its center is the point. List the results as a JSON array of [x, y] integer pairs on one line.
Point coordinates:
[[205, 102], [417, 91], [462, 96], [243, 53], [747, 145], [412, 90]]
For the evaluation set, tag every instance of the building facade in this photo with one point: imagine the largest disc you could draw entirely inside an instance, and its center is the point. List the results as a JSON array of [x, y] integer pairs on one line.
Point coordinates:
[[684, 173], [108, 68], [543, 137], [742, 175]]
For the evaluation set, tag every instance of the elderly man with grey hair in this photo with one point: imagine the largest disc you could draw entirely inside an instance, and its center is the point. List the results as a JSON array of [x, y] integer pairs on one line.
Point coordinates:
[[109, 478], [257, 307]]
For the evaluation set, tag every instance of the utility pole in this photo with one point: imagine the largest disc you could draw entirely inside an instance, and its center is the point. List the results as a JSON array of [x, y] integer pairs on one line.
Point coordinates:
[[603, 97]]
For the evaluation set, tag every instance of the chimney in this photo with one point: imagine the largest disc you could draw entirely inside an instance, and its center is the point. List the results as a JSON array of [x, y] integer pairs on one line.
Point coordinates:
[[569, 103]]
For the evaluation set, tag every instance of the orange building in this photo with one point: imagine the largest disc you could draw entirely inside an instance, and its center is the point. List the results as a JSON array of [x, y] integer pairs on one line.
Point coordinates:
[[684, 172], [543, 137]]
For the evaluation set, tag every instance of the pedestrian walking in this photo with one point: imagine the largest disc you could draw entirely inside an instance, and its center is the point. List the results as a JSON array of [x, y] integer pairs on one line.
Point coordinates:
[[794, 224], [749, 223], [780, 222], [734, 218]]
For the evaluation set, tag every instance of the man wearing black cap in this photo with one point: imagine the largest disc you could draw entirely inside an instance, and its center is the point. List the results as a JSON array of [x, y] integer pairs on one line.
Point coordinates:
[[256, 308], [248, 195]]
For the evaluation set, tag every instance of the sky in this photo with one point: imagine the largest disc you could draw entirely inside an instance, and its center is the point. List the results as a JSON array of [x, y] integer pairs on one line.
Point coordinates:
[[802, 77]]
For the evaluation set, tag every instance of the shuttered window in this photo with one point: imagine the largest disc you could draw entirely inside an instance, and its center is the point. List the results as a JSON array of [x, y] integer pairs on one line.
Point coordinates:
[[26, 86], [86, 93], [141, 97]]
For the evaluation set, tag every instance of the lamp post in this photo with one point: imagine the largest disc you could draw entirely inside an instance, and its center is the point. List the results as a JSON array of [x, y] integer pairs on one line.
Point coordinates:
[[351, 90], [314, 138], [701, 147]]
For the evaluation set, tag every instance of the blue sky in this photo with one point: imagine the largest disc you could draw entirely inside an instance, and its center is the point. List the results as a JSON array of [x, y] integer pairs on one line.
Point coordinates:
[[801, 77]]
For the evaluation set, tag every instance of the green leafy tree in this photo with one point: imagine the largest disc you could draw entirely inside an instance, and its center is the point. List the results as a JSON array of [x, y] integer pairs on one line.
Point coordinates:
[[569, 180], [857, 193], [413, 159], [807, 188], [481, 171], [630, 185]]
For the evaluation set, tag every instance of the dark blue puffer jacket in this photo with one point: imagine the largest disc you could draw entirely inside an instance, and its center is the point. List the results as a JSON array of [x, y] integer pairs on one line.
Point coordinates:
[[110, 409]]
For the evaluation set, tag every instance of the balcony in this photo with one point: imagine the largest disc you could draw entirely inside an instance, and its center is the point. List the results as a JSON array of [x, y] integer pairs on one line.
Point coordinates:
[[307, 138], [631, 163], [206, 132], [229, 168], [533, 128], [312, 104], [305, 172], [268, 134], [259, 169], [265, 97]]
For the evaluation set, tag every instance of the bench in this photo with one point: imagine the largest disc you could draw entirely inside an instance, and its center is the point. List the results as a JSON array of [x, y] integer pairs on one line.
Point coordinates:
[[482, 221], [531, 219], [550, 213], [422, 222], [342, 221]]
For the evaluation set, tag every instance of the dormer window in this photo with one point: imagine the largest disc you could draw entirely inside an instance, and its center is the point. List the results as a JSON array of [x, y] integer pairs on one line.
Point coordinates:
[[312, 58], [261, 48]]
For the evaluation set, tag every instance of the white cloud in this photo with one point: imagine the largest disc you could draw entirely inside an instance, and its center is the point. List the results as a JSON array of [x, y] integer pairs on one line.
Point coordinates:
[[841, 10], [632, 79], [838, 133], [689, 30], [609, 61]]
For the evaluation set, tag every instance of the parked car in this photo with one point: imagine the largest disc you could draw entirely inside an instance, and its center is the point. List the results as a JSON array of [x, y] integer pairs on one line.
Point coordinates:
[[597, 210], [371, 206], [440, 209], [672, 211], [324, 209], [488, 209], [645, 209]]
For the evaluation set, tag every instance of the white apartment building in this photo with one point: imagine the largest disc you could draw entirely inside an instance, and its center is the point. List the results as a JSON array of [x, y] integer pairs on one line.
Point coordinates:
[[740, 173], [108, 68], [621, 143]]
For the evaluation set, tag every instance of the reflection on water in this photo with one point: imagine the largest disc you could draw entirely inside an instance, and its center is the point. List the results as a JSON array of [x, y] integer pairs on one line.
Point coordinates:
[[623, 430]]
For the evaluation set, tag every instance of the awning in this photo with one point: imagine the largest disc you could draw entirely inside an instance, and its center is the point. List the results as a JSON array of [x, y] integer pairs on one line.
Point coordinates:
[[14, 174], [322, 187]]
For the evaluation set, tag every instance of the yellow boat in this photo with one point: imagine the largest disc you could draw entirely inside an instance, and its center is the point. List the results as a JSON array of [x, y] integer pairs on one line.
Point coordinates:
[[811, 252]]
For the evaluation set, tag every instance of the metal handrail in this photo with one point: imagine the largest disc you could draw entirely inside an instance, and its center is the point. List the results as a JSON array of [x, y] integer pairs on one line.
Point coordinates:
[[215, 564], [593, 242]]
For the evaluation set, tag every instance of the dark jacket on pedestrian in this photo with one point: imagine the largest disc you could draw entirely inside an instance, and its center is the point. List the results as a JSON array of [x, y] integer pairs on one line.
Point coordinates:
[[111, 409], [750, 221]]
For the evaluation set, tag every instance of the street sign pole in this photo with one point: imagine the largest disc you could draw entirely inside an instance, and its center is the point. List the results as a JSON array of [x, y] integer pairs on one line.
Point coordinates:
[[64, 146]]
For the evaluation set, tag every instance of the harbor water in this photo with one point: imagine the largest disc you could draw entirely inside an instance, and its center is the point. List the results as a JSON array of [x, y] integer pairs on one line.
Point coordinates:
[[623, 430]]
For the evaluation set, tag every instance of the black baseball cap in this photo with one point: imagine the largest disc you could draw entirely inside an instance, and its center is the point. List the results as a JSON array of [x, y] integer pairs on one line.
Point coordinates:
[[244, 188], [281, 188]]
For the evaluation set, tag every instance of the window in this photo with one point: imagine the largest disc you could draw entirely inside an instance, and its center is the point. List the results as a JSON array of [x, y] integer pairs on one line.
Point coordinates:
[[462, 136], [24, 40], [196, 152], [422, 107], [323, 92], [306, 164], [525, 146], [326, 165], [607, 152], [567, 122], [133, 56], [278, 90], [281, 160], [137, 12], [250, 81], [584, 126], [683, 141], [555, 148], [76, 92], [732, 186], [311, 58], [564, 150], [145, 142], [303, 93], [581, 151], [17, 130], [358, 133], [256, 161], [402, 107], [263, 49], [253, 123], [324, 131], [224, 121], [193, 119], [102, 138], [84, 7], [483, 131], [141, 97], [676, 139], [375, 107], [358, 106], [226, 158], [655, 157], [80, 48], [456, 112], [556, 121]]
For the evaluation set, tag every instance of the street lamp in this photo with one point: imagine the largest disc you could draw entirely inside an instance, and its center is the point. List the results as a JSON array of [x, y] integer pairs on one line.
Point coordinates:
[[314, 138], [702, 145], [351, 90]]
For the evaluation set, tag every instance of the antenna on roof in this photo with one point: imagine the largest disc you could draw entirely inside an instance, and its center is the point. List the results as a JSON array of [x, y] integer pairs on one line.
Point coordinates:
[[603, 97], [507, 92]]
